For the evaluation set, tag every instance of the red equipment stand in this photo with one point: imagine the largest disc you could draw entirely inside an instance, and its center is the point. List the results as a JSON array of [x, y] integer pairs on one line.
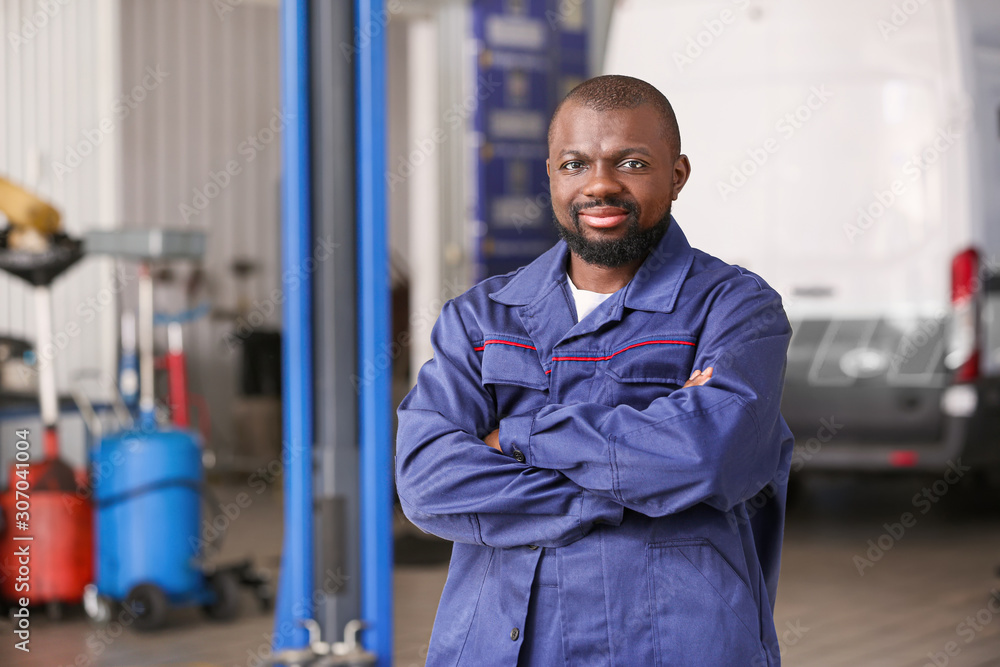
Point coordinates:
[[53, 566]]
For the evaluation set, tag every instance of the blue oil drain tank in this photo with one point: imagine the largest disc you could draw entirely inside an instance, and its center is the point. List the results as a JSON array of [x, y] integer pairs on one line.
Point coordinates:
[[147, 503]]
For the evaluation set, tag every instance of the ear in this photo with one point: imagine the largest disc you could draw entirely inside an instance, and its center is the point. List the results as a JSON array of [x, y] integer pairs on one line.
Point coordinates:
[[548, 169], [682, 171]]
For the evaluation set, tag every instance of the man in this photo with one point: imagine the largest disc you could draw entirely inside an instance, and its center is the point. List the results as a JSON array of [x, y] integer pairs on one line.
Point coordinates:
[[593, 426]]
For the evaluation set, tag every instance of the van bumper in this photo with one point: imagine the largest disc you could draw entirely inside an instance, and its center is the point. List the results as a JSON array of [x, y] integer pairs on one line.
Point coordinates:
[[974, 438]]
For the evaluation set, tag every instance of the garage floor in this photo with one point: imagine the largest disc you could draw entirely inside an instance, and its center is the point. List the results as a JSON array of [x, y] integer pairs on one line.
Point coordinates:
[[926, 595]]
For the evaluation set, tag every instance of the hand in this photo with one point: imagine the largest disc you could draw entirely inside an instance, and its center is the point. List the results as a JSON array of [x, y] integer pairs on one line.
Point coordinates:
[[698, 378], [493, 440]]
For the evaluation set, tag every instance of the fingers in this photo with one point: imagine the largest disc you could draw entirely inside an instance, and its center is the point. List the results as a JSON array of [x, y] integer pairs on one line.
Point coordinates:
[[699, 377], [493, 440]]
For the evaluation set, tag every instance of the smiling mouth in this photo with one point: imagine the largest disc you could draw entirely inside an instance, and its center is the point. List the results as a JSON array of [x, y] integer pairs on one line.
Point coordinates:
[[603, 217]]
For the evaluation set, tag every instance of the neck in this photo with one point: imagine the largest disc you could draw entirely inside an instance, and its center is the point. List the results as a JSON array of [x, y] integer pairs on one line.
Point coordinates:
[[601, 279]]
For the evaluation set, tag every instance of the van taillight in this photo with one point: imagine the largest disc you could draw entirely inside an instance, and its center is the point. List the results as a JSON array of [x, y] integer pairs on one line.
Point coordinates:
[[963, 344]]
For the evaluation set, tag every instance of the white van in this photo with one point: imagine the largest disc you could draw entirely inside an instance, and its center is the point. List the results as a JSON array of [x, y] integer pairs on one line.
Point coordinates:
[[849, 152]]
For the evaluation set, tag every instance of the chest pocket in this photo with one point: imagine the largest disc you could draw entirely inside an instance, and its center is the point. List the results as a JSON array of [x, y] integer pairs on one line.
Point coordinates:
[[649, 368], [513, 374]]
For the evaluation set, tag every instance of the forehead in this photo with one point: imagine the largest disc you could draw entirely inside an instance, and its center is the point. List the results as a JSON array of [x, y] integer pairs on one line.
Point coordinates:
[[578, 127]]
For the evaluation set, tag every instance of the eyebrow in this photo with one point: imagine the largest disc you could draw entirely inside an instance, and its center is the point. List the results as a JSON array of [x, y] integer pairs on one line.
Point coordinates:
[[617, 155]]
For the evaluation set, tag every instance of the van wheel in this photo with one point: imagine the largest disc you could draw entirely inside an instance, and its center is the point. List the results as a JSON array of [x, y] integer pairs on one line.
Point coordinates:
[[796, 492], [984, 484]]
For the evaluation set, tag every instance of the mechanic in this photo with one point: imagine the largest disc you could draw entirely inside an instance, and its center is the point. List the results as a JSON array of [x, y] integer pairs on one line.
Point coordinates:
[[592, 426]]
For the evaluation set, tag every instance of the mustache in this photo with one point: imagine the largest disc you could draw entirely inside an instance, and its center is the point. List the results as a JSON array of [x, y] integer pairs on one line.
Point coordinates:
[[628, 205]]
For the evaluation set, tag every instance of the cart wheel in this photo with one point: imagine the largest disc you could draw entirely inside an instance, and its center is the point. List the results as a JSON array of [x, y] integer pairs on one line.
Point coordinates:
[[97, 607], [54, 610], [148, 603], [265, 597], [100, 611], [226, 588]]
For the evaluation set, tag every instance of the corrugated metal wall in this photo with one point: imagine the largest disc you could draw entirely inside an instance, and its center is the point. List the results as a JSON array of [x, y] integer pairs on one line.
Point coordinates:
[[56, 82], [58, 77], [219, 89], [186, 87], [217, 105]]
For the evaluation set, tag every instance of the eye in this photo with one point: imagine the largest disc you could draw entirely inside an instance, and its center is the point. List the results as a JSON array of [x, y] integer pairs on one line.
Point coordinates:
[[573, 165], [633, 164]]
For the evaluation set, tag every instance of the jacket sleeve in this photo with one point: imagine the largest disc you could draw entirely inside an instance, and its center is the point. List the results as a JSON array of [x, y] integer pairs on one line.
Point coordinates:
[[452, 484], [719, 443]]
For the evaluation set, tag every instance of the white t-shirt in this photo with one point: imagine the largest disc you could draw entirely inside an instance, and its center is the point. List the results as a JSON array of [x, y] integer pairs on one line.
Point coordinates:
[[586, 301]]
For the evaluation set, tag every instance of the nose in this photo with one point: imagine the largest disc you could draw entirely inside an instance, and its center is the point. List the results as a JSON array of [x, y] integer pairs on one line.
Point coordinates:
[[603, 182]]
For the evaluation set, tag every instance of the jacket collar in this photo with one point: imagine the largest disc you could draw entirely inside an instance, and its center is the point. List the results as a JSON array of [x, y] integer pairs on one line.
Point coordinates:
[[654, 287]]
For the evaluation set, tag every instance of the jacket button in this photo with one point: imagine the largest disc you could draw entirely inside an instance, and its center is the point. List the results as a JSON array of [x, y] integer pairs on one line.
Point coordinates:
[[533, 546], [518, 456], [514, 634]]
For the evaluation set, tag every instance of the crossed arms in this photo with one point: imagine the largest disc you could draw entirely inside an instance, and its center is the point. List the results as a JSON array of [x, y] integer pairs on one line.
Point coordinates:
[[714, 442], [697, 379]]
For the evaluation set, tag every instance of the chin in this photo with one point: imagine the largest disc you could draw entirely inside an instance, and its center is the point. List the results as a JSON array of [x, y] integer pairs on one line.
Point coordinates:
[[605, 233]]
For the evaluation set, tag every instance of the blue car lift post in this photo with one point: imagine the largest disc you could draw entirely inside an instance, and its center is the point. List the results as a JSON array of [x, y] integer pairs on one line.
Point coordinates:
[[333, 191]]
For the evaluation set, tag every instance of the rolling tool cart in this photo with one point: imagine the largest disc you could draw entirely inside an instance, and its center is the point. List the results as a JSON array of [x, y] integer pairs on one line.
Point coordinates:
[[149, 480], [46, 492], [148, 514]]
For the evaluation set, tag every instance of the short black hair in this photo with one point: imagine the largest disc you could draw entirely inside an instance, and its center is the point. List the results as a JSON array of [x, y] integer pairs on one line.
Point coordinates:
[[612, 92]]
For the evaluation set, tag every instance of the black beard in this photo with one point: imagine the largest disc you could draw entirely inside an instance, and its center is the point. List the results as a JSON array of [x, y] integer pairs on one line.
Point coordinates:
[[631, 247]]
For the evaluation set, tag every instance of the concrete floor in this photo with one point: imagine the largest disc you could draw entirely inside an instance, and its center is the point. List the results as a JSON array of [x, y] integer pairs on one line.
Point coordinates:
[[912, 605]]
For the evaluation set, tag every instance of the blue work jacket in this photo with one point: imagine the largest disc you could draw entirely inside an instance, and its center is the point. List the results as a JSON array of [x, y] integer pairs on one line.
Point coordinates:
[[627, 521]]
